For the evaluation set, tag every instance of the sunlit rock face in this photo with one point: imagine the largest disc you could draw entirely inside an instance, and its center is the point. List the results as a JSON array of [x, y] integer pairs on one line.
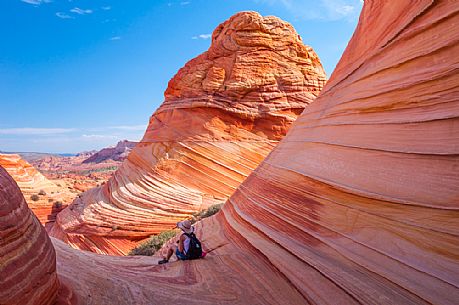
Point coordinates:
[[359, 202], [27, 257], [223, 113], [339, 213], [32, 182]]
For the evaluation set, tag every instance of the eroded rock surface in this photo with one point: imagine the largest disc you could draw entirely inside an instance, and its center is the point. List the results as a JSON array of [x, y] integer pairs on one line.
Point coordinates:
[[359, 203], [27, 257], [223, 113], [342, 217], [33, 183]]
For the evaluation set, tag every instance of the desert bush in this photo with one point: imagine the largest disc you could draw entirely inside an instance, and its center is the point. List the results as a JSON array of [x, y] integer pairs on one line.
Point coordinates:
[[57, 204], [212, 210], [153, 244], [42, 193], [50, 200], [34, 197]]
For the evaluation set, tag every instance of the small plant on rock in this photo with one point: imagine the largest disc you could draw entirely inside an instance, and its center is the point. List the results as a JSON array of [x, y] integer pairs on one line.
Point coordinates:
[[57, 205], [153, 244], [34, 197], [42, 193]]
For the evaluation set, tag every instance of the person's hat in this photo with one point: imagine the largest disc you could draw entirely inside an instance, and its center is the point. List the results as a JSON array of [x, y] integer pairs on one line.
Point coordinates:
[[185, 226]]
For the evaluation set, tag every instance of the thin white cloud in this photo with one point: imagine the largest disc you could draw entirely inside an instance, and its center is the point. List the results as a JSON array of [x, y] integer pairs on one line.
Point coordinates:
[[80, 11], [129, 127], [35, 131], [115, 38], [202, 36], [36, 2], [320, 10], [337, 9], [24, 131], [98, 136], [67, 139], [106, 8], [63, 15], [185, 2]]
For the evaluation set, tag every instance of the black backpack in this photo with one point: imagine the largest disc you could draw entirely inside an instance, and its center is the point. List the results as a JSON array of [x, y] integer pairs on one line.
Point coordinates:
[[195, 249]]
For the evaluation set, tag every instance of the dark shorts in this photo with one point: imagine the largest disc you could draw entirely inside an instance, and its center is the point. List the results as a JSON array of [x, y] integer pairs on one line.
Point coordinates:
[[180, 255]]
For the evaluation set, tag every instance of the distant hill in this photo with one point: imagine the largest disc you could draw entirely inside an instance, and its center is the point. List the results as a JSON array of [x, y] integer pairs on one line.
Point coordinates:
[[115, 153], [32, 156]]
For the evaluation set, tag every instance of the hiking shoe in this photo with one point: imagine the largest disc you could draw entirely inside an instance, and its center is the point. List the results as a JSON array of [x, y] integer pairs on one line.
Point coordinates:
[[163, 261]]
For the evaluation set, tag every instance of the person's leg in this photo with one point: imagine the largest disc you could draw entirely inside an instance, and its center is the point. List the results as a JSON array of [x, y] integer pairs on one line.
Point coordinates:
[[170, 251]]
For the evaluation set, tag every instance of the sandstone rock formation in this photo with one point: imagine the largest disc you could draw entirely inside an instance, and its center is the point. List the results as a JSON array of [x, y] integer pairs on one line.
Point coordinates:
[[33, 183], [117, 153], [359, 203], [342, 217], [223, 113], [27, 257]]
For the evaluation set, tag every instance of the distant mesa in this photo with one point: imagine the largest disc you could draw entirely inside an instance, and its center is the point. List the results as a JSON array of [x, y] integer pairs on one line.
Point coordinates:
[[87, 161], [223, 112], [116, 153]]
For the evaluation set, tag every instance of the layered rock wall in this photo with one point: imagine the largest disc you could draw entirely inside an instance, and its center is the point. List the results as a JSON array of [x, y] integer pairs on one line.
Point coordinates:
[[33, 183], [223, 113], [348, 217], [27, 257], [359, 203]]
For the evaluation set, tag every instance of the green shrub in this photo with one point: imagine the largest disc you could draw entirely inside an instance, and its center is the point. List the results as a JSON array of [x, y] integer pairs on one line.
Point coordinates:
[[212, 210], [57, 204], [35, 197], [153, 244]]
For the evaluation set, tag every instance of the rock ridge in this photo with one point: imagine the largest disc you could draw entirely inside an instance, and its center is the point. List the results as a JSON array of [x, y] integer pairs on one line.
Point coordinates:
[[223, 113]]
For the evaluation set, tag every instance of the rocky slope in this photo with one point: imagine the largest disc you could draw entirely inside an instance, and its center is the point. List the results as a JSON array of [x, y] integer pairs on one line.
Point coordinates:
[[117, 153], [27, 257], [359, 202], [32, 183], [223, 113], [311, 232]]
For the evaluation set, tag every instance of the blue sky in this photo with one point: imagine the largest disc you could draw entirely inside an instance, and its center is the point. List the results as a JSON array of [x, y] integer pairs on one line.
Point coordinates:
[[77, 75]]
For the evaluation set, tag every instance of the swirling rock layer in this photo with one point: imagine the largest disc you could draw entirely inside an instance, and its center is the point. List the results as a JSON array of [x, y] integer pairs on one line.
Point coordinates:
[[27, 257], [359, 202], [223, 113], [357, 205], [31, 182]]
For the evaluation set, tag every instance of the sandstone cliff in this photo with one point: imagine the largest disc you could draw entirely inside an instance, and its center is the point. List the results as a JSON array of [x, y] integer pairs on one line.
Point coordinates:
[[375, 226], [33, 183], [223, 113], [27, 257], [359, 203]]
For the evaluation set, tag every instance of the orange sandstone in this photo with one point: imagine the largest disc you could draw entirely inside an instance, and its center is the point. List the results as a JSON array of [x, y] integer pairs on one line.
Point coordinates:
[[32, 182], [27, 257], [342, 217], [359, 203], [223, 113]]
